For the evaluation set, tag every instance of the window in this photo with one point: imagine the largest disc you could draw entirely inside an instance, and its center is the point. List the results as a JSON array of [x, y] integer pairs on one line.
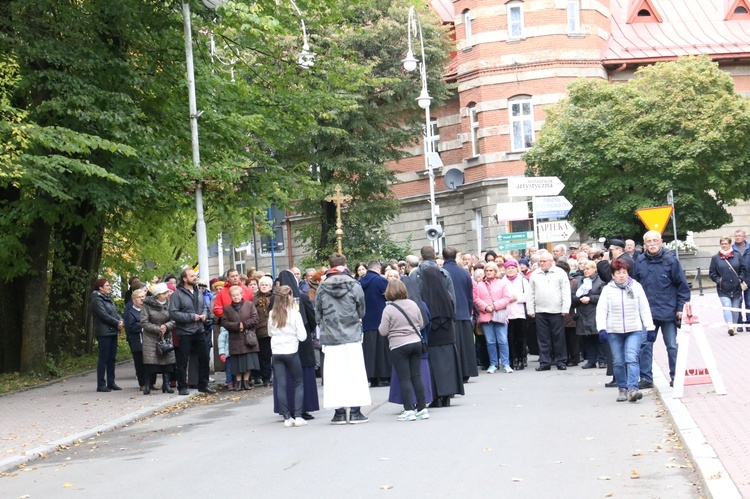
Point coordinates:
[[467, 27], [474, 126], [515, 21], [521, 123], [574, 17], [239, 260], [434, 135], [740, 10]]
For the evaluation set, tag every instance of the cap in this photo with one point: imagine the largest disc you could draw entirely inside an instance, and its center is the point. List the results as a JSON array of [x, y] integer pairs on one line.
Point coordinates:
[[158, 289], [510, 263], [617, 242]]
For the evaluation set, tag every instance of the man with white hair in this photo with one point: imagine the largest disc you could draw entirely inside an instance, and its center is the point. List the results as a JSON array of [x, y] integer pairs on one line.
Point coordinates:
[[559, 251], [548, 302]]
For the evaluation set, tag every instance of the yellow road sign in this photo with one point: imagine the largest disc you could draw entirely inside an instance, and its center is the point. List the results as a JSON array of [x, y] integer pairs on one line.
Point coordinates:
[[655, 218]]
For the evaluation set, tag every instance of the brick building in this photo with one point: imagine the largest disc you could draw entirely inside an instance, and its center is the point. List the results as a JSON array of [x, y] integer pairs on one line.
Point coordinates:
[[515, 58]]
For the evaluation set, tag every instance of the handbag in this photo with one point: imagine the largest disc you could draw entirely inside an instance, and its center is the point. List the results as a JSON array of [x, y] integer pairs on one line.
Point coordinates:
[[164, 345], [743, 284], [421, 338], [500, 316], [251, 339]]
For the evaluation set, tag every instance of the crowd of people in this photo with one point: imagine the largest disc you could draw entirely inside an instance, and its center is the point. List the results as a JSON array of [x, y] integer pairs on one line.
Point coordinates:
[[422, 326]]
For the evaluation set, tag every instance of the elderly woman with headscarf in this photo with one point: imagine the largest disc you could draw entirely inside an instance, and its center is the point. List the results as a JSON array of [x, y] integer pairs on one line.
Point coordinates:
[[107, 324], [157, 325], [585, 297], [262, 302], [306, 352]]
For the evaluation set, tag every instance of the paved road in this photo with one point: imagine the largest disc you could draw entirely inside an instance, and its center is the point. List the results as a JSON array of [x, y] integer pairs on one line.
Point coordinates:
[[527, 434]]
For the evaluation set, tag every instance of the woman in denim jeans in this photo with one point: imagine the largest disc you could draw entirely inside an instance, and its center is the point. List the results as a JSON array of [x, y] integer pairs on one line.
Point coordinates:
[[728, 272], [621, 316], [491, 298]]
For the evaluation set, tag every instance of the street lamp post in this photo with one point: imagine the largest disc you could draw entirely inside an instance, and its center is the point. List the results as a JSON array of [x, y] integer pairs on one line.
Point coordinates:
[[414, 28], [200, 224]]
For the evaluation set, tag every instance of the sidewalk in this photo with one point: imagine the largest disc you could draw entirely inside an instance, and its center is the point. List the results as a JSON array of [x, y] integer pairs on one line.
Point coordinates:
[[714, 428], [37, 421]]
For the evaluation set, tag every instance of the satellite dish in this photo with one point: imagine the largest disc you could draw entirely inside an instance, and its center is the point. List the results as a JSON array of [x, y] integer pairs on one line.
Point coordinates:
[[453, 178]]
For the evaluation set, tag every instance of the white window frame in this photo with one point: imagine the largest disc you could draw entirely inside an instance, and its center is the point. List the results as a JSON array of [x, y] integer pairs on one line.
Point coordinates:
[[574, 17], [510, 7], [474, 130], [435, 131], [524, 120], [467, 17]]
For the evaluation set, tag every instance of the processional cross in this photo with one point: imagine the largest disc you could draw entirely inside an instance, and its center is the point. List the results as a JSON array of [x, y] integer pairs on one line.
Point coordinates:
[[337, 198]]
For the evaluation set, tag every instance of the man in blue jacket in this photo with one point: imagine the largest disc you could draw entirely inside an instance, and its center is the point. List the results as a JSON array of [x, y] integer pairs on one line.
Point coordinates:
[[659, 272], [375, 346]]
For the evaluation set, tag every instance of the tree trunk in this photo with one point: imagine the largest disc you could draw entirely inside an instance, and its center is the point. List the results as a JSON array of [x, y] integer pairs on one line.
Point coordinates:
[[11, 319], [33, 354]]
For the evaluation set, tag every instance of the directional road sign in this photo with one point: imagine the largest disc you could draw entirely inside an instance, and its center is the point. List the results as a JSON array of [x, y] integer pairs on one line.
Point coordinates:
[[655, 218], [551, 207], [534, 186], [554, 231], [514, 245], [512, 211], [515, 236]]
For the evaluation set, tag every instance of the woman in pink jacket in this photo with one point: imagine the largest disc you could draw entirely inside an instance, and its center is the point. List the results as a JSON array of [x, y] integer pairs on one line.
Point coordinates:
[[491, 297]]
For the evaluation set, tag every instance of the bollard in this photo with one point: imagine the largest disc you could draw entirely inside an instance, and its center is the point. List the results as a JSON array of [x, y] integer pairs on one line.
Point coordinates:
[[700, 282]]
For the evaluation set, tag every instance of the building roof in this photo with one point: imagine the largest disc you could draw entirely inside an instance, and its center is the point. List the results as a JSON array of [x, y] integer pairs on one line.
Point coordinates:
[[443, 8], [676, 28]]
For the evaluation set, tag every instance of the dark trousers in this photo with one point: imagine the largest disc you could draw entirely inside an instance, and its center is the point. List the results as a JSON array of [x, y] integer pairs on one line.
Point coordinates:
[[283, 366], [407, 360], [517, 340], [139, 370], [192, 343], [595, 350], [574, 348], [550, 333], [106, 362], [265, 359], [483, 357]]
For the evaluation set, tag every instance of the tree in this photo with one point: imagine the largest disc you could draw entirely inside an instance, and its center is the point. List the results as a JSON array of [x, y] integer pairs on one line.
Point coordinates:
[[675, 126]]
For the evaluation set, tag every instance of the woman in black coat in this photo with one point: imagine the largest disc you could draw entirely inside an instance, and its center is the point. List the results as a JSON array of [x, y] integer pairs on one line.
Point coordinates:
[[728, 272], [107, 324], [134, 335], [585, 298], [306, 351]]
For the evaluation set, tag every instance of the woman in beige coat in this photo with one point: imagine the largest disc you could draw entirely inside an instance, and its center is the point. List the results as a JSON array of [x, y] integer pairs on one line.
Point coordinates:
[[157, 325]]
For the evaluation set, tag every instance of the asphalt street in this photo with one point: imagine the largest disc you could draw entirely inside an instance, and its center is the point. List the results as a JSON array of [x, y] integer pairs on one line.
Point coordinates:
[[524, 435]]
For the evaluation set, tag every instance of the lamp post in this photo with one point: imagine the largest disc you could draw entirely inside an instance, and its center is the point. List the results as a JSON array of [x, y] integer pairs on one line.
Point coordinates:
[[200, 223], [413, 29]]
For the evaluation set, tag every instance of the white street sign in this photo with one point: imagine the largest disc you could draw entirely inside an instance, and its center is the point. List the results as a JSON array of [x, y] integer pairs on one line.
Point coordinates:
[[534, 186], [554, 231], [512, 211], [551, 207]]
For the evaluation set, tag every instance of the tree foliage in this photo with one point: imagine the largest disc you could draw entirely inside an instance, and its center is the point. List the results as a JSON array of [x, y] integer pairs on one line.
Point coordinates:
[[676, 126]]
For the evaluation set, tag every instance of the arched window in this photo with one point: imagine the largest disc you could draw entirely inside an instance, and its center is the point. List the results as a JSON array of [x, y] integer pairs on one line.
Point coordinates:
[[521, 122], [467, 26], [474, 129]]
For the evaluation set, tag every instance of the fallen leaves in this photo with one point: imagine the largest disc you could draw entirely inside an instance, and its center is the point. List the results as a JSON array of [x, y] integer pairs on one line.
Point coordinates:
[[67, 485], [604, 478], [386, 487], [634, 474], [716, 476]]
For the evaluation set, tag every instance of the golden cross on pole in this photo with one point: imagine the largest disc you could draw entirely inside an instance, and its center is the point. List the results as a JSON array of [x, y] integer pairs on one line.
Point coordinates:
[[337, 198]]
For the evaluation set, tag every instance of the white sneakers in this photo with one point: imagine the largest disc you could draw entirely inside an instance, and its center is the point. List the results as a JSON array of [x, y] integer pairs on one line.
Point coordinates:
[[407, 416], [508, 369], [288, 423], [492, 370]]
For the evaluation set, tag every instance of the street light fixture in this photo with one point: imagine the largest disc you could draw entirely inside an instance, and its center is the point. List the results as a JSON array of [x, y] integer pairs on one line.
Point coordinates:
[[413, 29]]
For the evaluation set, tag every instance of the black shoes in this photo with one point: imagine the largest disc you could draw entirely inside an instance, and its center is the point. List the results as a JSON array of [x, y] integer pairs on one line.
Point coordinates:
[[588, 366], [207, 389], [561, 367], [642, 384], [103, 389], [165, 388], [542, 368], [114, 387], [147, 389], [339, 418], [611, 384], [184, 391], [358, 418], [307, 416], [571, 364]]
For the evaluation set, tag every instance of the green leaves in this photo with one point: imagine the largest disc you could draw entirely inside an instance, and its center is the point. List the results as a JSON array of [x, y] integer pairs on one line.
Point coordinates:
[[677, 125]]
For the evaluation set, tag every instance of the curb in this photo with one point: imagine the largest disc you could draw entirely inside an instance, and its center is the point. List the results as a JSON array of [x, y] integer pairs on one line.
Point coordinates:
[[14, 462], [701, 452]]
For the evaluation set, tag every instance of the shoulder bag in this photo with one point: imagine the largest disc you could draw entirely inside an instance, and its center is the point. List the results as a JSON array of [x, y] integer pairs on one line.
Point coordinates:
[[421, 338], [499, 316], [251, 339], [743, 284]]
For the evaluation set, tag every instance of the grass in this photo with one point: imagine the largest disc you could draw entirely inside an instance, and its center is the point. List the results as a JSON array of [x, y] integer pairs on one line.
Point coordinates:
[[59, 368]]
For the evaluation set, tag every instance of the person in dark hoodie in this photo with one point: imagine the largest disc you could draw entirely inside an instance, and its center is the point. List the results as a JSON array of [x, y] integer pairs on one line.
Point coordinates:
[[375, 346], [339, 308]]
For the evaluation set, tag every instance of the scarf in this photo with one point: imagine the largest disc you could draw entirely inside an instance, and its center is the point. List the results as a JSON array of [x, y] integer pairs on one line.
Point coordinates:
[[511, 279], [585, 287], [627, 286], [726, 254], [264, 302]]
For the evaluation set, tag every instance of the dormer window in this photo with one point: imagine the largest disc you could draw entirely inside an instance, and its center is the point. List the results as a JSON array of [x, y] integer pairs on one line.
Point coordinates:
[[737, 9], [643, 11]]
